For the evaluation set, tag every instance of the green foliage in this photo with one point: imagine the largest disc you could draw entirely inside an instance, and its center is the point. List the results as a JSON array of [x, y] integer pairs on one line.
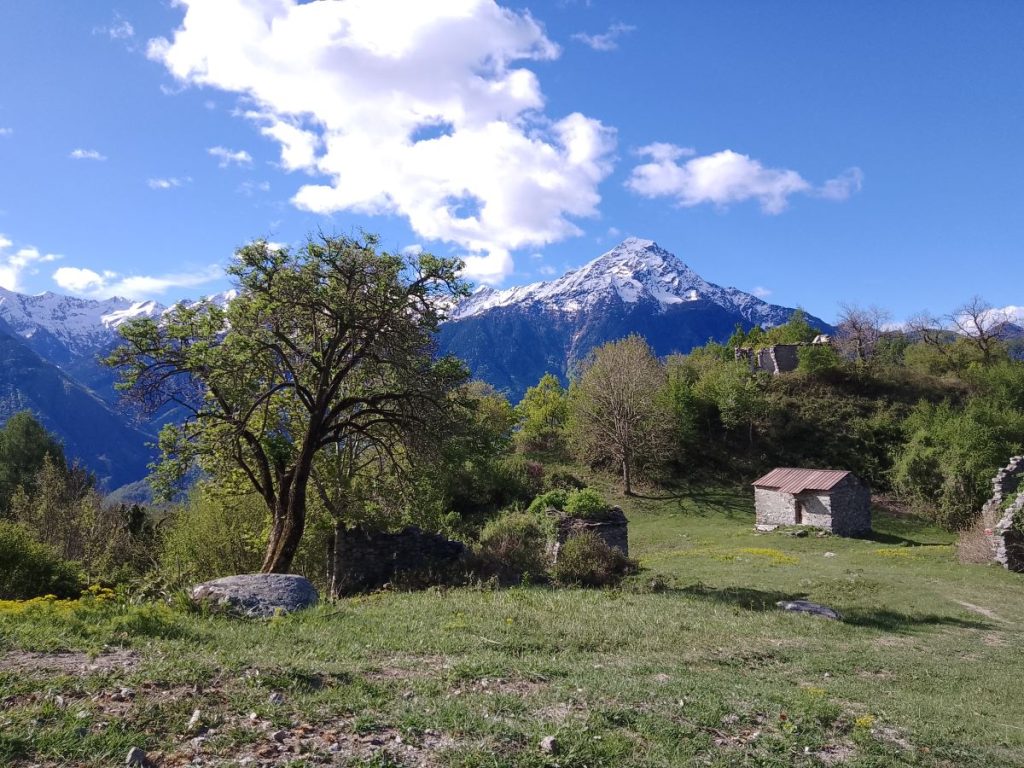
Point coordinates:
[[553, 499], [323, 345], [518, 542], [562, 479], [587, 503], [542, 414], [796, 330], [213, 535], [817, 359], [30, 569], [24, 445], [950, 455], [585, 560]]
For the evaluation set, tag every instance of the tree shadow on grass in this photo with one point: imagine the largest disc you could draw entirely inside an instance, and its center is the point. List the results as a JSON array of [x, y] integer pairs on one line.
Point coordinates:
[[894, 621], [741, 597], [766, 600]]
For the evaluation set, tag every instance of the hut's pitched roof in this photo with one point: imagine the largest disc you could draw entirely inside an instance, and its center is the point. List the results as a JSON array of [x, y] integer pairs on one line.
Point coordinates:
[[789, 480]]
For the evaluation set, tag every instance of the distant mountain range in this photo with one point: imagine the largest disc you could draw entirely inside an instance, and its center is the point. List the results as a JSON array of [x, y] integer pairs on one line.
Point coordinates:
[[511, 338], [51, 345]]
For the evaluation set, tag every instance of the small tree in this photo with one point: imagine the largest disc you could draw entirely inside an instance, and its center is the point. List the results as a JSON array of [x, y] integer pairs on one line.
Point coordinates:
[[859, 331], [542, 414], [322, 346], [617, 411], [24, 446]]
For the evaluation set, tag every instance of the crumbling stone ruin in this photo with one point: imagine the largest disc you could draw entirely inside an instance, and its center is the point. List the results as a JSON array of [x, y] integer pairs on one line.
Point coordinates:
[[777, 358], [994, 537], [363, 560], [612, 528]]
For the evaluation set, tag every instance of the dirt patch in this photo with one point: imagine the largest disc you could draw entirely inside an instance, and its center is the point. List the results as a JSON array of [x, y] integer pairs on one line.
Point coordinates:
[[988, 613], [835, 754], [994, 639], [408, 668], [492, 686], [68, 662]]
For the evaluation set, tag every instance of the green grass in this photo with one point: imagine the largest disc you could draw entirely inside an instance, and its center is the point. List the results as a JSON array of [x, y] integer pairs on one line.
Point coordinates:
[[690, 663]]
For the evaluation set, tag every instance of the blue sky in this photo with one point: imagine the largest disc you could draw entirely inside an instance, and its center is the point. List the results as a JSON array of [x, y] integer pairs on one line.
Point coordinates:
[[813, 152]]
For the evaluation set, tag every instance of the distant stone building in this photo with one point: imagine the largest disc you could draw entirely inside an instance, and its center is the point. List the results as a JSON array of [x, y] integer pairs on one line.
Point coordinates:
[[777, 358], [832, 499]]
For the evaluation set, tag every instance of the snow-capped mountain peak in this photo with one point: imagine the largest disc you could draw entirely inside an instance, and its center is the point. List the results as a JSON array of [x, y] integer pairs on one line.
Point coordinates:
[[636, 270]]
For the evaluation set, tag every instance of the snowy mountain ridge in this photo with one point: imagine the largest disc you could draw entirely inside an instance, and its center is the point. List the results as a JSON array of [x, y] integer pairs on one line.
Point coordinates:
[[81, 325], [636, 270]]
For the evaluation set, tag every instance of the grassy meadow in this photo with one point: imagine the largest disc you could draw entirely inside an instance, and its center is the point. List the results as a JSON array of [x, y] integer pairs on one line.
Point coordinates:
[[688, 663]]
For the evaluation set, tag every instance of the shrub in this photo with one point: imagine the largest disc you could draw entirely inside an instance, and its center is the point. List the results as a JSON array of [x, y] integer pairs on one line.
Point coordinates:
[[560, 479], [817, 359], [587, 503], [211, 535], [30, 569], [517, 542], [555, 499], [585, 560], [514, 479]]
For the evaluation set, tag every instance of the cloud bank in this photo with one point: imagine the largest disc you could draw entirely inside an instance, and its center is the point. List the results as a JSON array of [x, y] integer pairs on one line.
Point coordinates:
[[14, 264], [413, 109], [87, 282], [727, 177]]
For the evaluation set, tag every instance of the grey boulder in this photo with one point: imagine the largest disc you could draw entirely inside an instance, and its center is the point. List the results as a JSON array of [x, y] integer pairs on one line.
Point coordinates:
[[257, 595], [806, 606]]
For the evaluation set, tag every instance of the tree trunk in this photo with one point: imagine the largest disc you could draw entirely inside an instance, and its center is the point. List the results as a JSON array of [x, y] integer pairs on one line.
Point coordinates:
[[627, 478], [289, 524]]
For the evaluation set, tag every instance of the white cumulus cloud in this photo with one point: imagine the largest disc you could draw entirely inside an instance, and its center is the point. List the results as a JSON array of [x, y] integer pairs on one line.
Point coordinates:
[[15, 264], [606, 41], [6, 131], [226, 156], [167, 183], [727, 177], [421, 110], [86, 154], [88, 282], [761, 292]]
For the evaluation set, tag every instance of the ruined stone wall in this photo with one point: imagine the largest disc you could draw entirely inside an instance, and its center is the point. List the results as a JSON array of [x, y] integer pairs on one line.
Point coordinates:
[[367, 560], [851, 507], [612, 530], [998, 514], [773, 508]]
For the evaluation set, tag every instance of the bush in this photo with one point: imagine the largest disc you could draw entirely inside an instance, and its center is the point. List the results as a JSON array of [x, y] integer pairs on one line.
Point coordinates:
[[560, 479], [555, 499], [587, 503], [29, 569], [585, 560], [211, 536], [517, 542], [817, 359]]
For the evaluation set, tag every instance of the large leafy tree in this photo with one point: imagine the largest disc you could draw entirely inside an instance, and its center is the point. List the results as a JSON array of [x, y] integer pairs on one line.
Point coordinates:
[[617, 409], [323, 347], [542, 414]]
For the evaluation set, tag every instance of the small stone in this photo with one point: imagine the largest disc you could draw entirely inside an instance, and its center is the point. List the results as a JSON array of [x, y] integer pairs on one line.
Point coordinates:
[[136, 757], [276, 698], [830, 554], [197, 743], [194, 721], [253, 717], [279, 736], [549, 746]]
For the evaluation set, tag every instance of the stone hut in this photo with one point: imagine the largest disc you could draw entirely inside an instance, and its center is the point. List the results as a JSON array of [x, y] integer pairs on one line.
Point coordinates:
[[612, 528], [832, 499]]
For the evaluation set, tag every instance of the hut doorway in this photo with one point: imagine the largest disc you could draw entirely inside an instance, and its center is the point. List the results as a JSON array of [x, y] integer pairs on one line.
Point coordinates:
[[798, 512]]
